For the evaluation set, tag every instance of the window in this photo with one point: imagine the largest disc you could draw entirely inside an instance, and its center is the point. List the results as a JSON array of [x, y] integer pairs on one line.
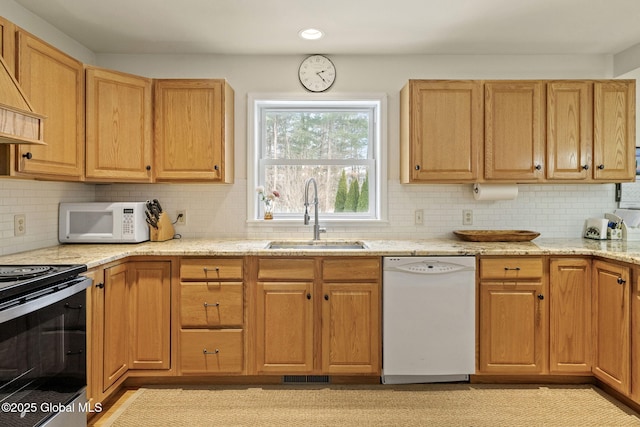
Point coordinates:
[[337, 142]]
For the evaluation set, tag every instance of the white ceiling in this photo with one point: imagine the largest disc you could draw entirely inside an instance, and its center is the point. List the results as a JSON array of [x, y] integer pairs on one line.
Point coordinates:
[[351, 26]]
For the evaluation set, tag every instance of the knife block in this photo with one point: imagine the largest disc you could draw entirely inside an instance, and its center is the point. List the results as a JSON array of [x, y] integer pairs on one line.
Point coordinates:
[[164, 231]]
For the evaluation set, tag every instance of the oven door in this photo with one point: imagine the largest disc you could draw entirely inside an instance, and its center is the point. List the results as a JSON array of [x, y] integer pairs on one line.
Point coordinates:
[[43, 357]]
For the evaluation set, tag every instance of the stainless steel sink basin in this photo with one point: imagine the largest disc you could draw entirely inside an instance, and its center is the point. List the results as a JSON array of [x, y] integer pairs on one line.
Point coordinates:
[[317, 245]]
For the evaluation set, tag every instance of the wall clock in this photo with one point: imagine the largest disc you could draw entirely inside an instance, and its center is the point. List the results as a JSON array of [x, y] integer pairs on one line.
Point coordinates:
[[317, 73]]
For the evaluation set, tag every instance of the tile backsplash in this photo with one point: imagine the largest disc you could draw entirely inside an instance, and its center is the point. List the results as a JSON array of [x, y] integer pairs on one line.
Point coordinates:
[[38, 201], [219, 211]]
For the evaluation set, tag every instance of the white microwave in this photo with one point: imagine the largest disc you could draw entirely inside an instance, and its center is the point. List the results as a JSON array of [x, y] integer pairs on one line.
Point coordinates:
[[110, 222]]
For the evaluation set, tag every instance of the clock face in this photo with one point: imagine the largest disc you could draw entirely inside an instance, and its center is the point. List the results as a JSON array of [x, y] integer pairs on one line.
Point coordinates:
[[317, 73]]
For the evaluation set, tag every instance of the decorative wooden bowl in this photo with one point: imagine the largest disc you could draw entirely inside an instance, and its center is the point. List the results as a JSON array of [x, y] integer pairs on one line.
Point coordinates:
[[496, 235]]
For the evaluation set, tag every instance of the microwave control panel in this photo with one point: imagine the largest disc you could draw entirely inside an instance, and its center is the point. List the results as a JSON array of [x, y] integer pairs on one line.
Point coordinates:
[[128, 228]]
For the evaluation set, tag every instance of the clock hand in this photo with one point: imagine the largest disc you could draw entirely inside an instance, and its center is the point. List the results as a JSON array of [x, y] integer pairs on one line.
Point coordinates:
[[319, 75]]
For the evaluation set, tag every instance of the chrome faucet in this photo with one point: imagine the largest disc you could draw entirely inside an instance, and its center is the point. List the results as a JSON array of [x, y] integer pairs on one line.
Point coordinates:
[[316, 227]]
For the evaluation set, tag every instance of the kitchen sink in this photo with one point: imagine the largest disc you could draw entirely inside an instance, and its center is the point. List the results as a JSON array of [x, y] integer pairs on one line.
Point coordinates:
[[317, 245]]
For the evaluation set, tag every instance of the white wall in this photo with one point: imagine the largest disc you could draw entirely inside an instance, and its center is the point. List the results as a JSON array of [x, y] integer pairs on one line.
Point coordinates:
[[220, 210]]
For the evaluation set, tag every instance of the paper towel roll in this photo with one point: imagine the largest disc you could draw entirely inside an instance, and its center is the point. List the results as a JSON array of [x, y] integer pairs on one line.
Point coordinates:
[[495, 191]]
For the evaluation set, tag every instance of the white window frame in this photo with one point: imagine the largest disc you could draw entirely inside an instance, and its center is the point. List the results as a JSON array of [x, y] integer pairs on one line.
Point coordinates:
[[255, 102]]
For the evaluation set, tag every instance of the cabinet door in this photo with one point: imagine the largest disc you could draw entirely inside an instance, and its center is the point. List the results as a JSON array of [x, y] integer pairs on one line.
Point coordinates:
[[351, 328], [635, 336], [116, 322], [284, 327], [193, 130], [614, 136], [443, 134], [95, 327], [570, 315], [150, 314], [611, 311], [514, 131], [118, 111], [54, 84], [569, 130], [513, 328]]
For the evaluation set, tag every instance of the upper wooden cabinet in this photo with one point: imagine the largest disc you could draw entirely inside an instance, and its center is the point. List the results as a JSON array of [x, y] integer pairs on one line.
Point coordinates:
[[54, 84], [514, 131], [193, 130], [569, 130], [119, 124], [534, 131], [441, 130], [614, 135], [8, 43]]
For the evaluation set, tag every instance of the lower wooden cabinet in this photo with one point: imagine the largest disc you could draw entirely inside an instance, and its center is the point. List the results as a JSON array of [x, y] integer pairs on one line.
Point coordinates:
[[611, 322], [570, 343], [130, 305], [211, 316], [211, 351], [513, 316], [317, 316]]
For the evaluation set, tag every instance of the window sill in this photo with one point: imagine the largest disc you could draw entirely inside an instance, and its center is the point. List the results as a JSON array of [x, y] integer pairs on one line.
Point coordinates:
[[288, 222]]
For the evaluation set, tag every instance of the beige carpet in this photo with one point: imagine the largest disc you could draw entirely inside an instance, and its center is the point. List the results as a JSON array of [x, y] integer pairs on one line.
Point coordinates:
[[384, 405]]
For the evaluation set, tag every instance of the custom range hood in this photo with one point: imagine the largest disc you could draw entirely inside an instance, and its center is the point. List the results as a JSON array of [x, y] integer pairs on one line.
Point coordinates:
[[19, 124]]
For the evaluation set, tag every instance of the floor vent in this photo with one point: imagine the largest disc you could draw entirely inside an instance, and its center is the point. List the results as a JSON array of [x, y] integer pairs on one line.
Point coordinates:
[[305, 379]]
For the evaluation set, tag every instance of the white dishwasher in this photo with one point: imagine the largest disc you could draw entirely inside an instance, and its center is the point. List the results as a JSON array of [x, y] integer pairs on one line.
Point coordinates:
[[428, 326]]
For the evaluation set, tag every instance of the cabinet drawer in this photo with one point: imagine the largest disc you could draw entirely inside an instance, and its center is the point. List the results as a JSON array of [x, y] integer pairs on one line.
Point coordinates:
[[285, 268], [211, 269], [511, 268], [351, 269], [217, 351], [211, 305]]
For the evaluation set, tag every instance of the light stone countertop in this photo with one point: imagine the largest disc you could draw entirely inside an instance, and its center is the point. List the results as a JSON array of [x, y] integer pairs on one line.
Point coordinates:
[[94, 255]]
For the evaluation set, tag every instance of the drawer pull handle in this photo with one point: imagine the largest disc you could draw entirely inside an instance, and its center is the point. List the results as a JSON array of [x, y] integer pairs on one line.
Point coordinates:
[[211, 305], [512, 269], [204, 351], [206, 269]]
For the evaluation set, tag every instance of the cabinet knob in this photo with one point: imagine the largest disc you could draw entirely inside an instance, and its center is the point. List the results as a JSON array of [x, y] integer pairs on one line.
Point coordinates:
[[540, 297], [326, 297], [621, 281], [28, 155], [215, 167], [148, 167], [600, 167], [417, 167], [538, 167], [585, 167], [308, 296], [100, 285]]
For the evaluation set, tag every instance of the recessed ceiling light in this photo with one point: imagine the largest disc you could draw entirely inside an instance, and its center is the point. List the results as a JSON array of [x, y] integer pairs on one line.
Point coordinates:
[[311, 34]]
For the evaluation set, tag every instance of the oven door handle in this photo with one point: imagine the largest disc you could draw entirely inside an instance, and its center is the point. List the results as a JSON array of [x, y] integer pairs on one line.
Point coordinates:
[[24, 305]]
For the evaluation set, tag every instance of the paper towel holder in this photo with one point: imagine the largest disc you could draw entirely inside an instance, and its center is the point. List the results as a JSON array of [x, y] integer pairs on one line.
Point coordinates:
[[495, 191]]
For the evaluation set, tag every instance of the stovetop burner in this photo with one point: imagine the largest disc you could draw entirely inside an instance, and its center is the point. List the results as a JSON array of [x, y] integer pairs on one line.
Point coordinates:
[[12, 273]]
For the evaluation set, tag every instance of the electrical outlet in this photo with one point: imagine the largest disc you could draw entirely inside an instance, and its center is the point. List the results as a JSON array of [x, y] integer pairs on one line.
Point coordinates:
[[181, 216], [467, 217], [19, 225], [419, 216]]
